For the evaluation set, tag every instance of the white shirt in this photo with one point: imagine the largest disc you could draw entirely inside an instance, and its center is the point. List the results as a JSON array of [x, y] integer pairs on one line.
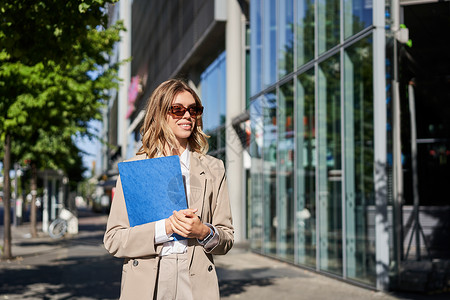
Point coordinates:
[[170, 245]]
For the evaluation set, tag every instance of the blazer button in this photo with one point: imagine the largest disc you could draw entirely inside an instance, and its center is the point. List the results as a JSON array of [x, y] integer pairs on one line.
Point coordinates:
[[135, 263], [210, 268]]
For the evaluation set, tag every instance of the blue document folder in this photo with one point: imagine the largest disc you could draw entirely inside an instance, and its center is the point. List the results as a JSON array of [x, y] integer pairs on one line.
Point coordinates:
[[153, 189]]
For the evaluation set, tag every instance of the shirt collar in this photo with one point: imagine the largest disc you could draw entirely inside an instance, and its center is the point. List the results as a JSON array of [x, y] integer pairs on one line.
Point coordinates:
[[184, 158]]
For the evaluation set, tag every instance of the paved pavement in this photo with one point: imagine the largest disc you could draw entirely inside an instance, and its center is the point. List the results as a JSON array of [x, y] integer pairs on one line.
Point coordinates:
[[78, 267]]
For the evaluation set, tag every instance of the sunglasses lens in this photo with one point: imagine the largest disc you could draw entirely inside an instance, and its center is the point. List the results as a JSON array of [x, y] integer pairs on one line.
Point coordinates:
[[194, 111], [178, 111]]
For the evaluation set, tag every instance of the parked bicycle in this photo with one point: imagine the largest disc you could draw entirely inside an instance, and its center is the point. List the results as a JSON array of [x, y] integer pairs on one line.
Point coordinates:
[[58, 228]]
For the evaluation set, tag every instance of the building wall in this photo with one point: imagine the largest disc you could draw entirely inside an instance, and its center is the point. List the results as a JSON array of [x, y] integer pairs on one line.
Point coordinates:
[[174, 39]]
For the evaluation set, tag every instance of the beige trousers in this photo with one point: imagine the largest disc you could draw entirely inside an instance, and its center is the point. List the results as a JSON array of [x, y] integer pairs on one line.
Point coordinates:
[[173, 278]]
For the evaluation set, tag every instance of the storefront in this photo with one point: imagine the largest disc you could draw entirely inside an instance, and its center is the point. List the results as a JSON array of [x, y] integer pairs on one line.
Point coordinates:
[[318, 135]]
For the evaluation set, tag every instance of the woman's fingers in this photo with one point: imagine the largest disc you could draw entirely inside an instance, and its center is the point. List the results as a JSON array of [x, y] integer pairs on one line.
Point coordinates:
[[183, 218], [189, 212], [186, 223], [177, 227]]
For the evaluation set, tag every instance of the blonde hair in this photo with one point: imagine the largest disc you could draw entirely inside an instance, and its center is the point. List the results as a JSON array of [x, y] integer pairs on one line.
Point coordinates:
[[157, 137]]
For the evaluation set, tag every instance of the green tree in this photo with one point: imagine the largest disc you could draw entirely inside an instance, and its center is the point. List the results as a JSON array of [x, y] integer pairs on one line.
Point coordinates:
[[54, 74]]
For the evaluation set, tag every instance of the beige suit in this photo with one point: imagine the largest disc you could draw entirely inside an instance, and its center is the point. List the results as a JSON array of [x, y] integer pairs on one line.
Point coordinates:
[[209, 194]]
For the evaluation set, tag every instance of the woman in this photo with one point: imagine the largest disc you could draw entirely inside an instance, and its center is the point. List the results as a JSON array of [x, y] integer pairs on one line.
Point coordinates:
[[156, 266]]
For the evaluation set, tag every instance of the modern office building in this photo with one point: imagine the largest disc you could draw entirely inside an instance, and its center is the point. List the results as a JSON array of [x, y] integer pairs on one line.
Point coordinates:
[[331, 116]]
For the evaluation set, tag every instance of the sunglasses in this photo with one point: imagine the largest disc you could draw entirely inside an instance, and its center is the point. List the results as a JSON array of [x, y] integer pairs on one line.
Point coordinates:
[[180, 110]]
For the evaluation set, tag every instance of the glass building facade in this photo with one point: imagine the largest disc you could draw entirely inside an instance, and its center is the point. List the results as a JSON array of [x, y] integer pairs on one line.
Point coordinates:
[[312, 119], [213, 95]]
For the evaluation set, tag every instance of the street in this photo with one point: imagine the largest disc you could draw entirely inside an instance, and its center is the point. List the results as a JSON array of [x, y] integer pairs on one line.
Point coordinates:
[[79, 267], [71, 268]]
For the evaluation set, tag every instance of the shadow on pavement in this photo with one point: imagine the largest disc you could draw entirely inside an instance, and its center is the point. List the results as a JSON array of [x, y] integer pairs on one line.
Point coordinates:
[[236, 287], [235, 282], [71, 278]]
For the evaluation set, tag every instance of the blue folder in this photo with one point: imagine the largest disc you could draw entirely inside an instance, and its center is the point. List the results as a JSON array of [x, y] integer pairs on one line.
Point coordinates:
[[153, 189]]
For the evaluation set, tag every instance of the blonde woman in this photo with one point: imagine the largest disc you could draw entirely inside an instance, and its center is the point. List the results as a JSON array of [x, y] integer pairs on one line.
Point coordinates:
[[155, 265]]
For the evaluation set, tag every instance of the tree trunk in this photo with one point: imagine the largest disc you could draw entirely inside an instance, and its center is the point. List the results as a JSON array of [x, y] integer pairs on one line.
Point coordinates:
[[33, 213], [6, 199]]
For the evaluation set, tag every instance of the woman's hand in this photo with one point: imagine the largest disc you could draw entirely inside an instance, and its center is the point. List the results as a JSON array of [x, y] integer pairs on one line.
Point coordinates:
[[187, 224]]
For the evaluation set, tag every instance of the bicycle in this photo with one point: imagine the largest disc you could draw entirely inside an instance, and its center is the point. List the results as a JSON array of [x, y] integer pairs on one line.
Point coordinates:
[[58, 228]]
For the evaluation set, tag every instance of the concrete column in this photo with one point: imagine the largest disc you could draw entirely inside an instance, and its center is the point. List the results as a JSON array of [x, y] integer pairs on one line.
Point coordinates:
[[380, 138], [235, 104], [125, 75]]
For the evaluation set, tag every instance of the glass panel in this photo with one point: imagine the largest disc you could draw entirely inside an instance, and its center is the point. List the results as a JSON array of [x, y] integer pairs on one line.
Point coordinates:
[[359, 161], [269, 43], [221, 93], [269, 172], [357, 16], [329, 164], [256, 207], [285, 37], [328, 24], [213, 92], [285, 216], [210, 104], [306, 170], [255, 45], [221, 139], [305, 31], [213, 141]]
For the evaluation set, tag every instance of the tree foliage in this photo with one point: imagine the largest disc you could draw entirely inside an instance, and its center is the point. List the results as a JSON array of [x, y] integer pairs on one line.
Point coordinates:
[[54, 75]]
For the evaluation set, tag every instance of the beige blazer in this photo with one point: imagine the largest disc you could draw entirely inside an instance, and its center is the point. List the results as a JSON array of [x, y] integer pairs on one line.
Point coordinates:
[[209, 194]]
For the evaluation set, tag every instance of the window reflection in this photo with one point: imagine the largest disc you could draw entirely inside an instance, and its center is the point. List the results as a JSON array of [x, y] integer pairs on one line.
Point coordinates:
[[306, 170], [270, 172], [357, 16], [256, 172], [328, 24], [213, 94], [359, 158], [305, 31], [285, 217], [329, 164], [285, 37], [255, 46], [269, 73]]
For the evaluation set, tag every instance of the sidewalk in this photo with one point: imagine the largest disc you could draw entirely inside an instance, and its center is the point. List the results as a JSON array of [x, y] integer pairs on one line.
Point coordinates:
[[79, 268], [246, 275]]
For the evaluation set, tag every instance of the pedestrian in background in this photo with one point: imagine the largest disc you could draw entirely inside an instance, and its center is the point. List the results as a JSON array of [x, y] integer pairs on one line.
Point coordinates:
[[155, 265]]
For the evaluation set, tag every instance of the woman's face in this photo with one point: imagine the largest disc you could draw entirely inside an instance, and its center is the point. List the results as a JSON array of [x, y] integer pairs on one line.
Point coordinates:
[[183, 126]]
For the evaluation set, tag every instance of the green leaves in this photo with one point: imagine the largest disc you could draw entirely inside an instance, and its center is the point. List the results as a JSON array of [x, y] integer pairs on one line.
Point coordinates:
[[49, 51], [83, 7]]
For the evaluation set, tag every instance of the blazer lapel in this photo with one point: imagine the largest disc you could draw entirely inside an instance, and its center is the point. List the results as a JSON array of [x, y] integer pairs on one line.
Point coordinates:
[[197, 183], [198, 187]]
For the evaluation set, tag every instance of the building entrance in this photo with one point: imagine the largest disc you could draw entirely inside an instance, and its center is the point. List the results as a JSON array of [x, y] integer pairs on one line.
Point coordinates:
[[426, 66], [424, 75]]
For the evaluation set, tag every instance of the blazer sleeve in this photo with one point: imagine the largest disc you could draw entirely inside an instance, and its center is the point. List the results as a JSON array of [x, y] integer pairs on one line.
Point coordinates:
[[221, 214], [120, 239]]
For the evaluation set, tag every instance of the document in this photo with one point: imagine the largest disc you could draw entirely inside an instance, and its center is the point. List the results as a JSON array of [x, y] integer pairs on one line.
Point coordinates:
[[153, 189]]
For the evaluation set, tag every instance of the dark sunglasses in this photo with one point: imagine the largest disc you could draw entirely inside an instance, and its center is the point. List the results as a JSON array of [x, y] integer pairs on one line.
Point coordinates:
[[180, 110]]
